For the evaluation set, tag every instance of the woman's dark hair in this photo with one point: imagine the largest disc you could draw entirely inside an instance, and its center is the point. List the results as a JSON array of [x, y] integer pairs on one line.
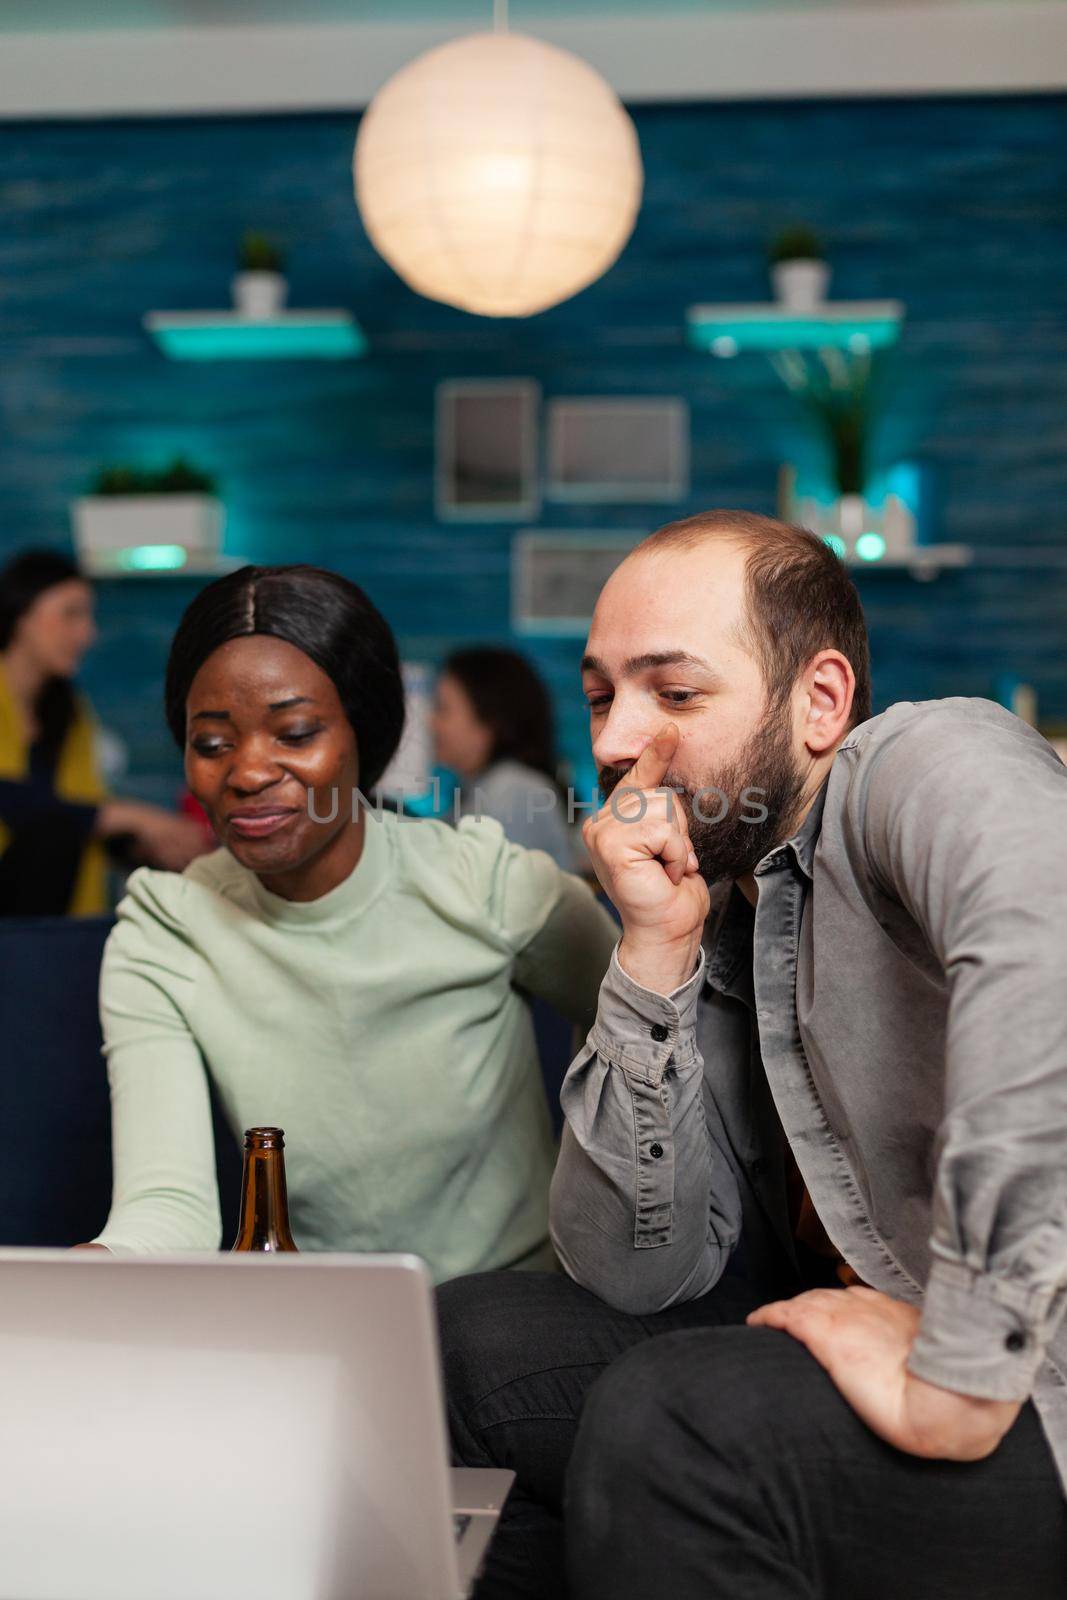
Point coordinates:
[[509, 697], [22, 581], [320, 613]]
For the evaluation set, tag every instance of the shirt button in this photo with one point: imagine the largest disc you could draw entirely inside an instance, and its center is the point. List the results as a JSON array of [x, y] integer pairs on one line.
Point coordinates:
[[1015, 1341], [660, 1031], [758, 1167], [655, 1150]]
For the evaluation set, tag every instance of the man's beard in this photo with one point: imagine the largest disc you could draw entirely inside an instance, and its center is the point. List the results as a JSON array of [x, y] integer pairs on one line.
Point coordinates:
[[763, 788]]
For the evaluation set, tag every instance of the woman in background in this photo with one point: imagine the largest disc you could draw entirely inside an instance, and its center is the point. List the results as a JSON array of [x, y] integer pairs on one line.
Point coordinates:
[[55, 816], [357, 977], [492, 726]]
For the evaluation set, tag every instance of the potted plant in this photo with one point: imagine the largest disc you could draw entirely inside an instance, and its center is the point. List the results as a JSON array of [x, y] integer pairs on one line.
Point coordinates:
[[799, 270], [844, 396], [138, 519], [259, 286]]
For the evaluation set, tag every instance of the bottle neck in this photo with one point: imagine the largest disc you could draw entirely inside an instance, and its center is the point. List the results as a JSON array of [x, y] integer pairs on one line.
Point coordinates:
[[264, 1223]]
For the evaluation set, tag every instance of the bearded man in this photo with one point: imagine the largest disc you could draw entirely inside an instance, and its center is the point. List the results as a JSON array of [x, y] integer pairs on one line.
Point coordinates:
[[811, 1200]]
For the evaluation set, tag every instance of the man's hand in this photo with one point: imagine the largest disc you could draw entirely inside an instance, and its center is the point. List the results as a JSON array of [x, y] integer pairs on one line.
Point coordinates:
[[863, 1339], [640, 848]]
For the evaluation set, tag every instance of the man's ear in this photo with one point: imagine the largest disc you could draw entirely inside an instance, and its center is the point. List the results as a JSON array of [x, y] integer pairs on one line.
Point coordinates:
[[829, 684]]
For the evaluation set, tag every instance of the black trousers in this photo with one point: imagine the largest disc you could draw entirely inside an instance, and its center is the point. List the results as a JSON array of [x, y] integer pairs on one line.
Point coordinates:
[[689, 1456]]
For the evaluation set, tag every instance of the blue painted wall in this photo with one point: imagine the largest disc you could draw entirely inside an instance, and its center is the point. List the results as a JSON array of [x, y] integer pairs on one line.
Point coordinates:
[[955, 206]]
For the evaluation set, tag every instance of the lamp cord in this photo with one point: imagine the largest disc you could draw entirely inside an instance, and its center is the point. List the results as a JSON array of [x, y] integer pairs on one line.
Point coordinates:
[[500, 16]]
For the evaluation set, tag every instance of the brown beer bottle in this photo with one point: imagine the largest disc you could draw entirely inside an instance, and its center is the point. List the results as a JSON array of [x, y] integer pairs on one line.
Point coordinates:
[[264, 1223]]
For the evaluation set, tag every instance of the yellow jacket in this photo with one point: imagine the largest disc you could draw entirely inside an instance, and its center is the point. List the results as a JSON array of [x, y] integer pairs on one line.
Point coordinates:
[[77, 778]]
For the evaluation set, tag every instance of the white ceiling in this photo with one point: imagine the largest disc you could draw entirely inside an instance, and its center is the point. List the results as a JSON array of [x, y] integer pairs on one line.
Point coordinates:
[[182, 57], [32, 16]]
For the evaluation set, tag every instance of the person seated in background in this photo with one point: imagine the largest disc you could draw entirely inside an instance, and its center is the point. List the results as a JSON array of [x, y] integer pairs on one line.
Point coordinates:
[[826, 1095], [351, 975], [492, 725], [55, 814]]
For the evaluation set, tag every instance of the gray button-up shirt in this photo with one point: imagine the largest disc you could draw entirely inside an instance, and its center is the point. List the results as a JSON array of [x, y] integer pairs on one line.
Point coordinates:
[[898, 1005]]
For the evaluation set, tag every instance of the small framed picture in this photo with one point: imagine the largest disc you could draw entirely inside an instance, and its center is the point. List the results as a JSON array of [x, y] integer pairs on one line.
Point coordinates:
[[487, 449], [618, 450], [556, 577]]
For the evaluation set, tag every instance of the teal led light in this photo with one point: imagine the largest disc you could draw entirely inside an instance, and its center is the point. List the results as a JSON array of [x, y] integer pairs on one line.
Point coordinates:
[[152, 558], [836, 545], [291, 336], [792, 333], [870, 547], [856, 326], [905, 481]]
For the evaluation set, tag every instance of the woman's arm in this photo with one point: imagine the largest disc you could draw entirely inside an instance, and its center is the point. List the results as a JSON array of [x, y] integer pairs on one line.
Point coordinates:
[[561, 936], [163, 838], [531, 811], [567, 958], [165, 1193]]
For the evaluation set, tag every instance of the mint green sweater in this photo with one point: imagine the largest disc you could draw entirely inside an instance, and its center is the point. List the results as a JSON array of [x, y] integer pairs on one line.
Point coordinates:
[[380, 1026]]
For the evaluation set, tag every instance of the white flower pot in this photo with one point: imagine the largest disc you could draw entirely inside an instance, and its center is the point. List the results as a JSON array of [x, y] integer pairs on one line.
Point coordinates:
[[850, 516], [898, 529], [853, 517], [800, 285], [108, 527], [259, 295]]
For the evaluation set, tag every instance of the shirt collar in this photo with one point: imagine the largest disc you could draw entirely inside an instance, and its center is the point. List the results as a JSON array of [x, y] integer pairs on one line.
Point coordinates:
[[806, 837], [802, 844], [729, 928], [728, 942]]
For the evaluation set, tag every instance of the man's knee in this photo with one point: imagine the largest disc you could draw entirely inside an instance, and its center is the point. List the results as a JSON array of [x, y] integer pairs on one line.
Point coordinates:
[[622, 1442], [518, 1350], [729, 1391], [474, 1334], [673, 1435], [496, 1328], [626, 1414], [462, 1306]]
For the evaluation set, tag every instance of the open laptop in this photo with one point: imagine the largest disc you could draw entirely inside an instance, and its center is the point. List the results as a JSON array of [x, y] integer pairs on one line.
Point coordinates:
[[231, 1427]]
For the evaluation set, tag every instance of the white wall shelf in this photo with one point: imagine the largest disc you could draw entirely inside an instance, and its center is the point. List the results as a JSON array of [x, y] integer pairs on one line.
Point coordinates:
[[194, 569], [150, 535], [926, 561]]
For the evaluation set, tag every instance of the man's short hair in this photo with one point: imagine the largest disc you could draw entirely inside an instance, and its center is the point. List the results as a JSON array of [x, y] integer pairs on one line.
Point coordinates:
[[799, 599]]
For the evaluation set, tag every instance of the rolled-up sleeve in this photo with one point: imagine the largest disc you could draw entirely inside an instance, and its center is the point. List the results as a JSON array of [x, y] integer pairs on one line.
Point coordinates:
[[644, 1208], [966, 823]]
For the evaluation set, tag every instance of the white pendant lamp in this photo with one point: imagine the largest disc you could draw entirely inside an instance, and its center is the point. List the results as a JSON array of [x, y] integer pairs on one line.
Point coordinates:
[[498, 174]]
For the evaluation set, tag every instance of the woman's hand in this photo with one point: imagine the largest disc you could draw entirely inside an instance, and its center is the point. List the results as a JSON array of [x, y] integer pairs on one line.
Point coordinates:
[[163, 838], [863, 1339]]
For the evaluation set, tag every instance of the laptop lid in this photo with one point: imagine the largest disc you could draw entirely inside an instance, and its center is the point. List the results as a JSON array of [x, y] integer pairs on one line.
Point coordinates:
[[198, 1427]]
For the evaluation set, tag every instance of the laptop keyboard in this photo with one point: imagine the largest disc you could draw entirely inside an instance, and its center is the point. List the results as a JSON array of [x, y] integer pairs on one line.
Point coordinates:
[[460, 1523]]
